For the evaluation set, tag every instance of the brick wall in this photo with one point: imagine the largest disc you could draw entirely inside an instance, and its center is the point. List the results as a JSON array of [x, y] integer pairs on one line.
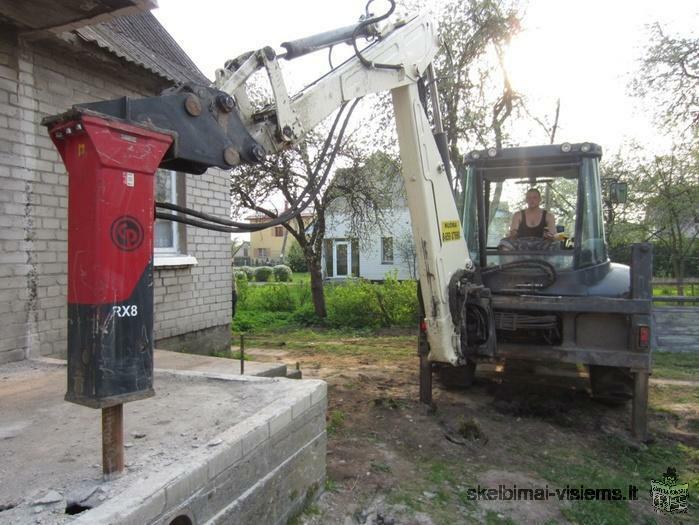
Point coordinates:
[[198, 298], [42, 78]]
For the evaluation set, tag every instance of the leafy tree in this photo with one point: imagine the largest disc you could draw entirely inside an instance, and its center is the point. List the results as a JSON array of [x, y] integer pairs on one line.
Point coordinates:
[[670, 194], [669, 79], [295, 258], [290, 172], [663, 206]]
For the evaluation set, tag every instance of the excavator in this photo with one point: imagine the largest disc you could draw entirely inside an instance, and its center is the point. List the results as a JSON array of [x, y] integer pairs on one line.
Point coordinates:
[[477, 302]]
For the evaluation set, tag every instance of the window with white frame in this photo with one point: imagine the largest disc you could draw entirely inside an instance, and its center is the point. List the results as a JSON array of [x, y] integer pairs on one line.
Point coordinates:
[[387, 250], [168, 234]]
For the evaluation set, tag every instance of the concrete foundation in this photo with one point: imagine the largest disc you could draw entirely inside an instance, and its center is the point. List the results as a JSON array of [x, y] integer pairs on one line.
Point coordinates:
[[206, 342], [209, 448]]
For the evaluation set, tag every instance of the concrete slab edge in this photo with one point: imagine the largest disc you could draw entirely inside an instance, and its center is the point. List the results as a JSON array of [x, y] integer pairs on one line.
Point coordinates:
[[221, 516], [145, 499]]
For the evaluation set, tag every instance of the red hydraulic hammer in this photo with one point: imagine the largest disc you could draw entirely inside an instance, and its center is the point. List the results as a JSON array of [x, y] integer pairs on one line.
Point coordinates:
[[111, 167]]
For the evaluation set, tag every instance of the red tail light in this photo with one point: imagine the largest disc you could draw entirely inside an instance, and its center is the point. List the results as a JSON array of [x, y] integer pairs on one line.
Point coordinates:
[[643, 336], [423, 326]]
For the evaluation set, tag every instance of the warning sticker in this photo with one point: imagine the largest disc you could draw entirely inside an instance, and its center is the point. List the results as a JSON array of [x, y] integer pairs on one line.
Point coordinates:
[[451, 231]]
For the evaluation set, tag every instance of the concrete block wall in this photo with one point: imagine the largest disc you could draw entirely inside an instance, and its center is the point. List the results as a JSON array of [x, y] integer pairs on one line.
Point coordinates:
[[39, 79]]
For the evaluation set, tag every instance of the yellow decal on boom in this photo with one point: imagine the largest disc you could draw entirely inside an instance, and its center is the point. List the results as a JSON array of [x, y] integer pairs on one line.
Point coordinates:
[[451, 231]]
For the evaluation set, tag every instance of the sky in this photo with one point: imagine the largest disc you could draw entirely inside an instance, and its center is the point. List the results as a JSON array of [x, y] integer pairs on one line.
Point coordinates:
[[584, 52]]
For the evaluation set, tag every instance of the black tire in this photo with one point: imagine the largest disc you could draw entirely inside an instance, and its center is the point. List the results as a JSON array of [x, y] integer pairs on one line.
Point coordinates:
[[457, 377], [611, 385]]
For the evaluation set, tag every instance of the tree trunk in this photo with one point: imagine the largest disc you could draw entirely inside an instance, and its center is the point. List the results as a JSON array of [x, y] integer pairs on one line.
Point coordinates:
[[317, 289], [678, 270]]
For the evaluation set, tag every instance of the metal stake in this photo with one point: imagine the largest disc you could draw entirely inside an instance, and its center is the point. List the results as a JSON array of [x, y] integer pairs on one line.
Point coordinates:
[[242, 354], [112, 441]]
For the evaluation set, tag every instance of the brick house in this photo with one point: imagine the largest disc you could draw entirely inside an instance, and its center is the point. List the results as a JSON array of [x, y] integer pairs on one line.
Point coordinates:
[[94, 51]]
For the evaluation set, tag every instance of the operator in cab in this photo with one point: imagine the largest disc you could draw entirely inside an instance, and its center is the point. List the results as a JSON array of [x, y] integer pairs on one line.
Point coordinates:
[[534, 221]]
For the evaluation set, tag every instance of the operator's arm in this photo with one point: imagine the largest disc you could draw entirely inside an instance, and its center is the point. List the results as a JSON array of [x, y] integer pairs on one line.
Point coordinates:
[[516, 218], [550, 231]]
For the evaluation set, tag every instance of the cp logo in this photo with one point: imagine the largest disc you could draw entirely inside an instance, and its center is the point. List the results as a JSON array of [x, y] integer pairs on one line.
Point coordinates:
[[127, 233]]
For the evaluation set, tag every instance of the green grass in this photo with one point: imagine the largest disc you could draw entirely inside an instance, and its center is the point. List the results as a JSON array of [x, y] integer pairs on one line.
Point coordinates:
[[253, 321], [611, 463], [301, 277], [368, 343], [672, 365], [336, 421], [666, 289]]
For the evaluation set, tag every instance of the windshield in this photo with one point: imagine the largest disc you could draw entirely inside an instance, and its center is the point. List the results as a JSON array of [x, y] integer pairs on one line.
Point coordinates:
[[504, 191]]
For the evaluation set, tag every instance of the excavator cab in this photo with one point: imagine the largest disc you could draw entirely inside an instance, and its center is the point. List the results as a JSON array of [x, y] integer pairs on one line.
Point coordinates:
[[568, 179]]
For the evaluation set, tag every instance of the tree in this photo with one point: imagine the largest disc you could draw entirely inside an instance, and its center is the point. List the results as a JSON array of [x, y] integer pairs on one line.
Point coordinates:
[[669, 78], [287, 174], [670, 195], [236, 245], [476, 93], [662, 206], [295, 258], [405, 247]]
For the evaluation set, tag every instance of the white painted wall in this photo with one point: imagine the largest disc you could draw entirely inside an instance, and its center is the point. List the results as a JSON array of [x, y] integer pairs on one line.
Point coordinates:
[[370, 264]]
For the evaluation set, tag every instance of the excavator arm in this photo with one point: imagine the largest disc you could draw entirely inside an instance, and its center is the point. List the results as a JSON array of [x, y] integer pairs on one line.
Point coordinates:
[[196, 127]]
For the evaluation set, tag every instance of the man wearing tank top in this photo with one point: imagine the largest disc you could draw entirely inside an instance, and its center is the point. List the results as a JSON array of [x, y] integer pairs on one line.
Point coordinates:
[[534, 221]]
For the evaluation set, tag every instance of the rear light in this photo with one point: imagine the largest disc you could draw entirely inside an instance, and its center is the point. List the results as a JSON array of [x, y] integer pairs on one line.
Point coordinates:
[[566, 147], [643, 336], [423, 327]]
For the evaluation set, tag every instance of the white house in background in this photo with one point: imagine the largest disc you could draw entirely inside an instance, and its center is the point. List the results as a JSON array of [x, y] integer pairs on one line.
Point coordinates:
[[385, 251]]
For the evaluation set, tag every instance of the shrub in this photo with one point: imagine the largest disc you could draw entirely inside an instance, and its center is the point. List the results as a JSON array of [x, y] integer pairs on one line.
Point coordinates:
[[282, 273], [271, 298], [305, 315], [263, 273], [241, 288], [250, 272], [240, 275], [352, 304], [296, 259], [397, 301]]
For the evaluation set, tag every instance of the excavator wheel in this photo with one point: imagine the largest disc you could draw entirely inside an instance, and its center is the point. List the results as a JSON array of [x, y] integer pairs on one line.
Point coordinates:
[[611, 385], [457, 377]]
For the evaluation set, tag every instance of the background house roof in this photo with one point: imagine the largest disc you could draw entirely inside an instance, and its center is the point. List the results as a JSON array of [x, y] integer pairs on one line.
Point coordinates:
[[141, 40]]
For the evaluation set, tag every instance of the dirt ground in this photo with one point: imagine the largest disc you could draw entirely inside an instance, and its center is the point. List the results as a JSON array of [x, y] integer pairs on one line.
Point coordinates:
[[393, 461]]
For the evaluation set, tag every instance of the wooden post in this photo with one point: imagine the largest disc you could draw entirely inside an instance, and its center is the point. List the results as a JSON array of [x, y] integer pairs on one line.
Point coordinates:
[[639, 412], [112, 441]]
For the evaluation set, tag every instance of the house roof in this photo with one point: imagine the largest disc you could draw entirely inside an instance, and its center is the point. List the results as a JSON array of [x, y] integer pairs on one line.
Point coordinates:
[[37, 16], [141, 40]]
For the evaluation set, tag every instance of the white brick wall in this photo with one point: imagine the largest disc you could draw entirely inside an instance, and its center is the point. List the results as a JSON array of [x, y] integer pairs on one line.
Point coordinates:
[[36, 80]]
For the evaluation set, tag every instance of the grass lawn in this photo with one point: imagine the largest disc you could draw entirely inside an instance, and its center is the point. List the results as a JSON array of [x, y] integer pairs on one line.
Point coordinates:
[[301, 277], [672, 365]]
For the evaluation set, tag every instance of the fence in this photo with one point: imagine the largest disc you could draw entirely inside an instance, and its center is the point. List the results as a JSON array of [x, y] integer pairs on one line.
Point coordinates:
[[689, 286]]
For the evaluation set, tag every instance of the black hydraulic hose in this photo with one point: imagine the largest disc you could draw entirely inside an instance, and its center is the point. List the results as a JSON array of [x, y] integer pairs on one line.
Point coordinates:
[[360, 28], [198, 224]]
